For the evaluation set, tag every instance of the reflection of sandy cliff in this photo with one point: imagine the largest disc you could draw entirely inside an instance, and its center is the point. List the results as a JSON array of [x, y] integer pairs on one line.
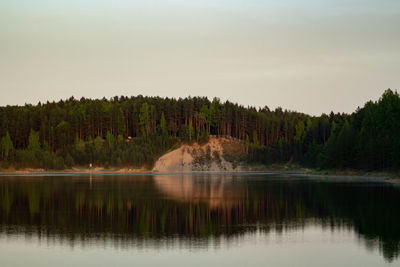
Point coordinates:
[[217, 191]]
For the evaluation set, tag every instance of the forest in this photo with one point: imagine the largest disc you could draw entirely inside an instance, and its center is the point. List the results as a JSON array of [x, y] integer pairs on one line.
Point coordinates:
[[135, 131]]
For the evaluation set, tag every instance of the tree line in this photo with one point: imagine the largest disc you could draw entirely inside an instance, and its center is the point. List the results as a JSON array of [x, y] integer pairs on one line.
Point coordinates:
[[135, 131]]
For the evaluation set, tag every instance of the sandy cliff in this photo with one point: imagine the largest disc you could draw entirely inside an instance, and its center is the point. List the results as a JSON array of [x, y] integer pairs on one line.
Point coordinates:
[[219, 154]]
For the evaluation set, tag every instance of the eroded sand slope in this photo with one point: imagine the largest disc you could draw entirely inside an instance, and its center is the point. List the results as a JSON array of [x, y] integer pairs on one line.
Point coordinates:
[[208, 157]]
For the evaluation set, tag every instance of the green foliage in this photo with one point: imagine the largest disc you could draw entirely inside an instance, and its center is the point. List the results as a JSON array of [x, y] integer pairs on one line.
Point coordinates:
[[135, 131], [283, 150], [34, 143], [110, 141], [144, 118], [163, 125], [345, 145], [190, 131], [58, 163], [255, 139], [69, 161], [300, 132], [312, 156], [46, 146], [6, 146], [247, 143], [98, 144], [61, 132], [203, 138]]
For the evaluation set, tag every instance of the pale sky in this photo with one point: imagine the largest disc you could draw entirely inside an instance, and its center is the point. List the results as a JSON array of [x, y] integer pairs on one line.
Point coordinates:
[[310, 56]]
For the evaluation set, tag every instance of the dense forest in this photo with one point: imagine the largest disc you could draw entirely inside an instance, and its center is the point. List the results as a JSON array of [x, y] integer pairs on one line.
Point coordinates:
[[135, 131]]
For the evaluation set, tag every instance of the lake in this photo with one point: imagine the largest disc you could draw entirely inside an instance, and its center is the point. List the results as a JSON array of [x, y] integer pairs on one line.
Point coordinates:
[[241, 219]]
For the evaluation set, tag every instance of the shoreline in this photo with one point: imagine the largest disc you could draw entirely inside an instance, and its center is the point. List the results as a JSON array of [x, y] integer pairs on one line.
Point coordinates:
[[387, 176]]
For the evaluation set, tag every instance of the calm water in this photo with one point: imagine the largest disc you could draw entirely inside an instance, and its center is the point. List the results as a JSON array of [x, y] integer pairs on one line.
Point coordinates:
[[198, 220]]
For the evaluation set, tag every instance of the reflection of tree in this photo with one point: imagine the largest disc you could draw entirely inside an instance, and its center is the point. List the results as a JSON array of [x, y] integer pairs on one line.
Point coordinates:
[[145, 207]]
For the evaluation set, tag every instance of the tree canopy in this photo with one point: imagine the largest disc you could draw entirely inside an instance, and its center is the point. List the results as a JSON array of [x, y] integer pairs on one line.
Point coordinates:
[[134, 131]]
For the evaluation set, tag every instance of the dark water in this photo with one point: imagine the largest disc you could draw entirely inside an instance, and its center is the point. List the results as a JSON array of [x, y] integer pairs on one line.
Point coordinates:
[[198, 220]]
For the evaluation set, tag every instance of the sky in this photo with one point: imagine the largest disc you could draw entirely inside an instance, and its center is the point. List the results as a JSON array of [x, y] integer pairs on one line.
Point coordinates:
[[312, 56]]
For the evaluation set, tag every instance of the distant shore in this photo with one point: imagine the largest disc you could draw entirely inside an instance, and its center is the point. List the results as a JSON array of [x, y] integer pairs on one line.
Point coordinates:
[[75, 170], [393, 177]]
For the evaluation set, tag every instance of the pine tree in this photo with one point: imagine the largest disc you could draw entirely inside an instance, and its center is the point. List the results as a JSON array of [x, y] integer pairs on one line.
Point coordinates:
[[6, 146]]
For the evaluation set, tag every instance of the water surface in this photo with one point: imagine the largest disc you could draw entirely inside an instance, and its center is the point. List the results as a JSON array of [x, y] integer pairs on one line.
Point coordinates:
[[198, 220]]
